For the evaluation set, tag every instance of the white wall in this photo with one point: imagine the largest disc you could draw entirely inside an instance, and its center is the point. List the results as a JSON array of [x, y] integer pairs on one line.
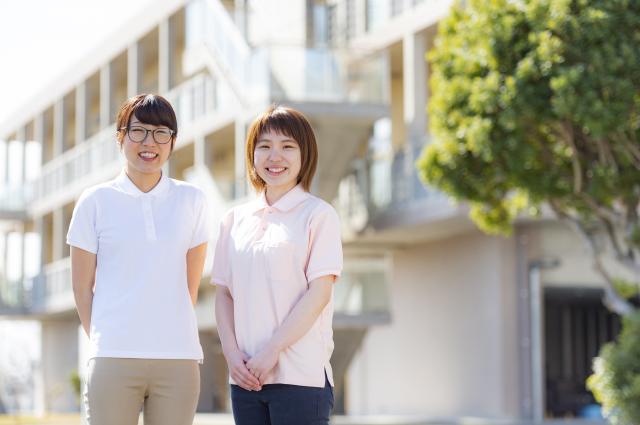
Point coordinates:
[[451, 349], [59, 360]]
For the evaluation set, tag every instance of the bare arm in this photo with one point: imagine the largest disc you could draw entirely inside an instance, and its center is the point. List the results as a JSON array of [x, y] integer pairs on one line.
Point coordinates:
[[195, 263], [235, 358], [295, 326], [83, 277]]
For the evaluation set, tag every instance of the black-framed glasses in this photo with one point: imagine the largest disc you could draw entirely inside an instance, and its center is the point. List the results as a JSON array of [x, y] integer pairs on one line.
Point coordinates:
[[138, 134]]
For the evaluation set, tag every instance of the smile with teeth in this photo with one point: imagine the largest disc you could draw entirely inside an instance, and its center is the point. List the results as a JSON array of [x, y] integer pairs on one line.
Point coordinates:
[[148, 155], [276, 171]]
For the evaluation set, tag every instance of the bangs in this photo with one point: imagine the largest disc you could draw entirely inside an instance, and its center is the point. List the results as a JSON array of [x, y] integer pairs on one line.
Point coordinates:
[[280, 122], [155, 110]]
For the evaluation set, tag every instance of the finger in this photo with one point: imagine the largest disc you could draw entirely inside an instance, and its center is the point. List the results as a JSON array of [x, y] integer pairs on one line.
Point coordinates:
[[249, 377]]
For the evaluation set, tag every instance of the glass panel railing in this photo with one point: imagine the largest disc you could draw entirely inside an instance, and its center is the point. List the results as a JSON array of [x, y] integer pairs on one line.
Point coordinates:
[[380, 183], [12, 296], [323, 74], [52, 290], [209, 24], [14, 198], [363, 287], [196, 98]]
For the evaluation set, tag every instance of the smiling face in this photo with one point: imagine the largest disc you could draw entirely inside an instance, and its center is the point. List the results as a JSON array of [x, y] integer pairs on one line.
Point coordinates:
[[277, 161], [147, 156]]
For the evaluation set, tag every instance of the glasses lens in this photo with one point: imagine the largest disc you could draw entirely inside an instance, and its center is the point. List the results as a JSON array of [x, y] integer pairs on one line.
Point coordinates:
[[137, 134], [162, 135]]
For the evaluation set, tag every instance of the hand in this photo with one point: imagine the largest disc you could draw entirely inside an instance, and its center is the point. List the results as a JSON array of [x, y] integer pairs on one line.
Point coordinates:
[[236, 362], [262, 363]]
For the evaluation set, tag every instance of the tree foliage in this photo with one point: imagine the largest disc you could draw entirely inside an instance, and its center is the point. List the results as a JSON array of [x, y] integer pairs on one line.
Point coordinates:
[[536, 102], [616, 381]]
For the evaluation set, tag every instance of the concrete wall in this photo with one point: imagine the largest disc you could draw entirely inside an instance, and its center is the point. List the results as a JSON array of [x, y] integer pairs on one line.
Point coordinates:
[[451, 349], [59, 359]]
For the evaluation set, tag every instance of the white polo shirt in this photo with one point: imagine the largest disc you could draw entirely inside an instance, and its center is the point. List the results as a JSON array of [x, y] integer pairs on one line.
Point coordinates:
[[141, 303]]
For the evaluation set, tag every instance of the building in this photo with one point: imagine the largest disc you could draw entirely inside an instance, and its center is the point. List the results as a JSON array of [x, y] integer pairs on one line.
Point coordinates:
[[434, 318]]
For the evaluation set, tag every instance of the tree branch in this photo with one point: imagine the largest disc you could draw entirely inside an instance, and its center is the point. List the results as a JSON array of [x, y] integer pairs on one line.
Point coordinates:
[[567, 134], [612, 298]]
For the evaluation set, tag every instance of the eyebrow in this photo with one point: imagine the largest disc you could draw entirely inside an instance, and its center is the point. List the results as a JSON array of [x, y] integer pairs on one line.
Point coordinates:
[[269, 140]]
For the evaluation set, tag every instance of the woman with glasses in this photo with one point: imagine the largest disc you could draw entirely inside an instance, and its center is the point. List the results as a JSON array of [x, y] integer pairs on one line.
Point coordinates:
[[275, 264], [138, 245]]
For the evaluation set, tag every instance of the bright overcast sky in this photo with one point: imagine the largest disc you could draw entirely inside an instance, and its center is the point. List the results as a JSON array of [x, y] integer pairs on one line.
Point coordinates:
[[41, 39]]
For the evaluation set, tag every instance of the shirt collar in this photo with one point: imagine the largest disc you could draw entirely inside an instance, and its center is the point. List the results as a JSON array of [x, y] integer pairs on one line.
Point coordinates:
[[126, 185], [287, 202]]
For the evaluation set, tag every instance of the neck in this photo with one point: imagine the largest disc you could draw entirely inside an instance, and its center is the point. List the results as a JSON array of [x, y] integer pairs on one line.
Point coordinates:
[[274, 193], [143, 181]]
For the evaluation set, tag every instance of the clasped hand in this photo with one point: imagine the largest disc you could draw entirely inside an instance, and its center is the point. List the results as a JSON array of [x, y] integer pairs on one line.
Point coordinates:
[[250, 372]]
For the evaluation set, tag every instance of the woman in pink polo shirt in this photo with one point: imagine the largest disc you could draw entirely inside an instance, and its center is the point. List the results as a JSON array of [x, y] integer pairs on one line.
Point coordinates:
[[275, 264]]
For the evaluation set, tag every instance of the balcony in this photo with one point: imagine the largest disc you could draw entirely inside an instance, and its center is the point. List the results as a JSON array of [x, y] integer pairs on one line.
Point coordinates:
[[14, 201], [97, 159], [275, 72], [361, 298], [383, 192]]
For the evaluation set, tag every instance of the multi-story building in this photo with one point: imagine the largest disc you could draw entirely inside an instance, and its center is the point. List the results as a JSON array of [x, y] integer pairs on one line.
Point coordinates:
[[434, 318]]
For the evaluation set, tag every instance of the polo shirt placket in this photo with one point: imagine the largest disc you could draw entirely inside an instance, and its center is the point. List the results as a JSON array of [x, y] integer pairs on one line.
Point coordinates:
[[147, 213]]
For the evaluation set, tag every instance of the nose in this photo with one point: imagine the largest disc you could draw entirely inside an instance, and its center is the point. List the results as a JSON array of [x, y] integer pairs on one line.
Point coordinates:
[[148, 139], [275, 154]]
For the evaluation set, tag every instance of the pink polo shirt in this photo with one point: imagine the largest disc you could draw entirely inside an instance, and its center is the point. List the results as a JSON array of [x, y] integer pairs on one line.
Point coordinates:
[[266, 256]]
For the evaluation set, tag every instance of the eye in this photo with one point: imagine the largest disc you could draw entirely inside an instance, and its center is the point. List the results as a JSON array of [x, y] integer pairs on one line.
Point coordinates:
[[163, 132], [137, 131], [262, 146], [290, 146]]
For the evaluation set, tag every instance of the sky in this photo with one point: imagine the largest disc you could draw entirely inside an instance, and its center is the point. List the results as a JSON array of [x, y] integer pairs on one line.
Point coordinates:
[[41, 39]]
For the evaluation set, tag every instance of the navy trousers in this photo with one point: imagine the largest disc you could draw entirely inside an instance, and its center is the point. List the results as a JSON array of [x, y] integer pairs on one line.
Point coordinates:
[[281, 404]]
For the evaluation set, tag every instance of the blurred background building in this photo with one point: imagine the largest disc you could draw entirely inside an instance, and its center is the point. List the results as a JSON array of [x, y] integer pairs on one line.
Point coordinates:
[[433, 318]]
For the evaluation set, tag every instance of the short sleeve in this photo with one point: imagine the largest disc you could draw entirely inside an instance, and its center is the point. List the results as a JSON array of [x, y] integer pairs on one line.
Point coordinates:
[[82, 229], [325, 245], [221, 271], [201, 228]]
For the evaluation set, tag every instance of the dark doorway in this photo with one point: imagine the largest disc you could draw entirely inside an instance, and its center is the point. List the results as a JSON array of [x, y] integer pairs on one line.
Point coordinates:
[[577, 325]]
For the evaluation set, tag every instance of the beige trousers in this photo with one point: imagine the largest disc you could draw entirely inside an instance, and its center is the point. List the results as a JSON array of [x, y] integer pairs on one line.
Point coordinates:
[[165, 390]]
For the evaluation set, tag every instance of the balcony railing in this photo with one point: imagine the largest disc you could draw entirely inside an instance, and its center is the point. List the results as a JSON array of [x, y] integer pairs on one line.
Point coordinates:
[[52, 290], [323, 74], [379, 12], [363, 288], [381, 183], [75, 164], [14, 198], [294, 73], [192, 99]]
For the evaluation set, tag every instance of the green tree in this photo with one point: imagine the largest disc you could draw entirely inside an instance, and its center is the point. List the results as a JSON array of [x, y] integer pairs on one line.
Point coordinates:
[[536, 102]]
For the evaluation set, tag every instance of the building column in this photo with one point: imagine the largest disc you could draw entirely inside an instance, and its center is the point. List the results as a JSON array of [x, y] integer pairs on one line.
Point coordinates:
[[239, 162], [360, 17], [133, 69], [201, 151], [22, 139], [105, 96], [414, 73], [4, 169], [58, 234], [165, 45], [58, 141], [81, 112]]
